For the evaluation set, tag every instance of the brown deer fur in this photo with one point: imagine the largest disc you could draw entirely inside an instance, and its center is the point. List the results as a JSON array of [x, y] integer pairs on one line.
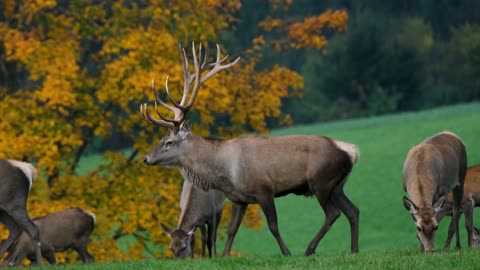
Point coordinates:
[[251, 169], [16, 179], [471, 199], [200, 209], [431, 170], [59, 231]]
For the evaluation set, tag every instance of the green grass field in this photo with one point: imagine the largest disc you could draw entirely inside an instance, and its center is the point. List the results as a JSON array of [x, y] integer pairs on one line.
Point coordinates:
[[393, 259], [387, 233], [375, 184]]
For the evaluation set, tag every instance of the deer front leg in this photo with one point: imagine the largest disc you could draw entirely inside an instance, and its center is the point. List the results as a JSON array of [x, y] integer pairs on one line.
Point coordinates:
[[203, 238], [457, 204], [450, 234], [268, 207], [238, 211]]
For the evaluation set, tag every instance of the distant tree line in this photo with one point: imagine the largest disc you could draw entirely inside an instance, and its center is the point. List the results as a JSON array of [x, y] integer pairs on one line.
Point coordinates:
[[394, 56]]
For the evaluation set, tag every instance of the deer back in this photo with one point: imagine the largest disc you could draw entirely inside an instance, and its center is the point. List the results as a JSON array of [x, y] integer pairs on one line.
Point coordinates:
[[434, 167]]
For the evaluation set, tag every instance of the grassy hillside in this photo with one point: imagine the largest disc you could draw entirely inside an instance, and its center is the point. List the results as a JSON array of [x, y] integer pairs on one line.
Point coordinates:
[[387, 233], [375, 184]]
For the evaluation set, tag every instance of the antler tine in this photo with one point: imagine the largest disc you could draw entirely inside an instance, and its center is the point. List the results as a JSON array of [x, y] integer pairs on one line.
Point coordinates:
[[152, 121], [164, 121], [217, 66], [205, 58], [186, 75], [180, 109]]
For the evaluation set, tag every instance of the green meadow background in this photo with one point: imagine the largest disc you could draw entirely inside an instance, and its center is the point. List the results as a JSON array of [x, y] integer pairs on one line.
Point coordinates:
[[387, 233]]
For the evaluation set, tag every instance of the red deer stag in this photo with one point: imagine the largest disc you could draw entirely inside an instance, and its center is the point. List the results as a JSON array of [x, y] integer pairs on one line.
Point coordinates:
[[431, 170], [59, 231], [471, 199], [252, 169], [200, 209], [16, 178]]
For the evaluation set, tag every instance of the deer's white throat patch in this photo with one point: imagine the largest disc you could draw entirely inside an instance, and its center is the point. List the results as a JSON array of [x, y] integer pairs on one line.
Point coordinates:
[[27, 168]]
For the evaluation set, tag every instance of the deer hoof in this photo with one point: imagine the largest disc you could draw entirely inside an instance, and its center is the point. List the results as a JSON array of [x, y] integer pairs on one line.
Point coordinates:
[[309, 252]]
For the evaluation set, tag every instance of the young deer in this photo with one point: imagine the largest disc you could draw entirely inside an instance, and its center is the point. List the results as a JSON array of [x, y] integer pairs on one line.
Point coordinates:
[[200, 209], [471, 199], [431, 170], [252, 169], [16, 178], [59, 231]]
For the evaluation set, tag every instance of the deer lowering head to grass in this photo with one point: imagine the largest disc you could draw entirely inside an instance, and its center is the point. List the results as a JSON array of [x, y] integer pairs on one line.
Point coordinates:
[[471, 199], [16, 178], [431, 170], [251, 169], [59, 231], [200, 209]]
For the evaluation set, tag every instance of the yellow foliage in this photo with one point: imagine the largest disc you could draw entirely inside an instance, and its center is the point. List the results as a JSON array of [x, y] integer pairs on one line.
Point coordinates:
[[307, 33], [84, 80]]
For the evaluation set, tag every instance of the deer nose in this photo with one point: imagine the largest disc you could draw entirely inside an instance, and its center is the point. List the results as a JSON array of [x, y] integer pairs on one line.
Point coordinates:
[[145, 161]]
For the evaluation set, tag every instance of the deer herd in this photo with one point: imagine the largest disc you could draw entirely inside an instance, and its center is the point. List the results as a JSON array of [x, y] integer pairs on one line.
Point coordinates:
[[248, 170]]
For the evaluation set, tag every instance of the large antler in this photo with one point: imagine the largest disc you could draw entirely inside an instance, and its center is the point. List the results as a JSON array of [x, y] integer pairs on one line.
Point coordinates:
[[180, 109]]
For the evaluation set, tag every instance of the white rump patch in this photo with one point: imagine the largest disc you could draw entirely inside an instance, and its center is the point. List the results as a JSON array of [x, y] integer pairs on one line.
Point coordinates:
[[94, 217], [351, 149], [27, 168]]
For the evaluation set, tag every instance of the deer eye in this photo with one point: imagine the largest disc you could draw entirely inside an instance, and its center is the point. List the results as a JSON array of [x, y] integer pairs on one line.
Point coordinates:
[[435, 228], [419, 229], [168, 142]]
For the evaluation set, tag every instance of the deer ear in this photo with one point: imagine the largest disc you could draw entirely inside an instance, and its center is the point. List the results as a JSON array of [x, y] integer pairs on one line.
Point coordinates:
[[410, 206], [439, 203], [167, 229]]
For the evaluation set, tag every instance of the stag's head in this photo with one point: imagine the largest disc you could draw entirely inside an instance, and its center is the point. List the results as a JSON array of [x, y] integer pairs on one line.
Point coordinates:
[[171, 147], [180, 241], [425, 218]]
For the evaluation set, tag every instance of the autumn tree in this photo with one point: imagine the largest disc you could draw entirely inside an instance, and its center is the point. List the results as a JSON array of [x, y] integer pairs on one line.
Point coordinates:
[[73, 74]]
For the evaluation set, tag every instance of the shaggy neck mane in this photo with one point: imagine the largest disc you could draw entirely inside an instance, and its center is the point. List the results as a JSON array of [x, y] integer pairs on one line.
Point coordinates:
[[200, 165]]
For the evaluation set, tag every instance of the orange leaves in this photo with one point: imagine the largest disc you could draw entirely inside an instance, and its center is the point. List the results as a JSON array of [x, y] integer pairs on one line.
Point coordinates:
[[82, 70], [308, 33]]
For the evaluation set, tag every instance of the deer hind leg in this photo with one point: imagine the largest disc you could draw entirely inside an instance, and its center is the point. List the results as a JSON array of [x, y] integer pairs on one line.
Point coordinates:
[[331, 215], [468, 211], [238, 211], [81, 248], [353, 214], [20, 216], [268, 207], [14, 231]]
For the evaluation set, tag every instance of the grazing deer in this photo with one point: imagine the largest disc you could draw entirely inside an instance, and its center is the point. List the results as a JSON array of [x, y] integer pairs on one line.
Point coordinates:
[[199, 209], [471, 199], [252, 169], [16, 178], [59, 231], [431, 170]]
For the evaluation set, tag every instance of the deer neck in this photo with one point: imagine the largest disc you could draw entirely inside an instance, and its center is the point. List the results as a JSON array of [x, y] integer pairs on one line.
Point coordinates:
[[202, 166], [422, 192]]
